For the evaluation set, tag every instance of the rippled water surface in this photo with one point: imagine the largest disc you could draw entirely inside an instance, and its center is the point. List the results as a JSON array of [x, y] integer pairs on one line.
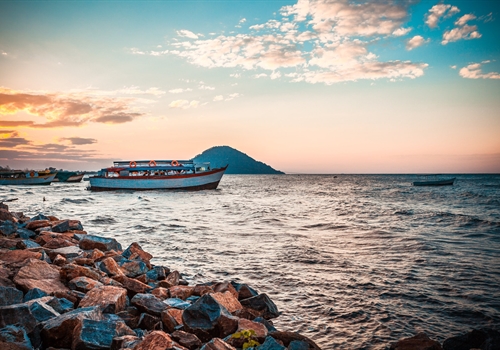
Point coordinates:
[[353, 261]]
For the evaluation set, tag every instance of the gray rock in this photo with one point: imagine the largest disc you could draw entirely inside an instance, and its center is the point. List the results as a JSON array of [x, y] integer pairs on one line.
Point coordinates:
[[17, 314], [263, 304], [484, 339], [37, 217], [25, 233], [61, 305], [34, 293], [148, 303], [26, 244], [177, 303], [43, 312], [271, 344], [14, 338], [8, 228], [10, 296], [298, 345], [70, 252], [61, 227]]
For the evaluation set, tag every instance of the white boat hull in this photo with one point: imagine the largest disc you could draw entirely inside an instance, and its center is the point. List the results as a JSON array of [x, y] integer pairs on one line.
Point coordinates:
[[29, 181], [200, 181]]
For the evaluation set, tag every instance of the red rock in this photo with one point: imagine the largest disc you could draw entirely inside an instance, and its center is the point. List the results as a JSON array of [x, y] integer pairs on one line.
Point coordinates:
[[110, 267], [39, 274], [17, 256], [83, 284], [70, 271], [165, 284], [33, 225], [6, 215], [110, 282], [149, 322], [228, 300], [171, 318], [96, 254], [8, 243], [161, 293], [142, 278], [217, 344], [259, 329], [89, 242], [418, 342], [58, 242], [156, 340], [52, 218], [181, 292], [124, 342], [134, 252], [222, 287], [173, 278], [133, 286], [84, 261], [109, 298], [148, 303], [187, 340], [59, 260], [200, 290]]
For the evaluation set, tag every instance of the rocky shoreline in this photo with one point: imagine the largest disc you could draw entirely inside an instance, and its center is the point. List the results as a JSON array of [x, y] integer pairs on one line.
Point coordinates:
[[61, 288]]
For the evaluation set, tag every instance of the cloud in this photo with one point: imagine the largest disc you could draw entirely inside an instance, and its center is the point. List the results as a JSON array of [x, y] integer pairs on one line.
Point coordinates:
[[275, 75], [187, 34], [184, 104], [474, 71], [13, 142], [466, 32], [64, 110], [415, 42], [218, 98], [206, 87], [438, 11], [401, 31], [464, 19], [78, 140], [179, 90]]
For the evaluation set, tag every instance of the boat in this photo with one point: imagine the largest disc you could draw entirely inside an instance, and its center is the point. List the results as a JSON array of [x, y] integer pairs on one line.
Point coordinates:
[[157, 175], [68, 176], [26, 177], [441, 182]]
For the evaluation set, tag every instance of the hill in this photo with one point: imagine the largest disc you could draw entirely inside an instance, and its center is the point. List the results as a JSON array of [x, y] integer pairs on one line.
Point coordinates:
[[239, 162]]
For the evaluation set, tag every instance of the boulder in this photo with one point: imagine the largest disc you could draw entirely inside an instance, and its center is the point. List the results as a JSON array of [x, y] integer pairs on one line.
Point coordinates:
[[35, 224], [187, 340], [476, 339], [130, 316], [39, 274], [84, 261], [222, 287], [8, 228], [173, 278], [110, 267], [263, 305], [24, 233], [177, 303], [59, 260], [58, 331], [228, 300], [6, 215], [34, 293], [148, 303], [133, 286], [9, 296], [207, 318], [287, 337], [298, 345], [109, 298], [89, 242], [27, 244], [171, 319], [259, 329], [83, 284], [61, 305], [60, 226], [55, 242], [75, 225], [202, 289], [124, 342], [14, 338], [161, 293], [134, 268], [38, 217], [271, 344], [149, 322], [42, 312], [156, 340], [17, 314], [18, 256], [70, 271], [217, 344], [8, 243], [93, 335], [96, 254], [135, 252], [69, 252], [244, 290], [418, 342]]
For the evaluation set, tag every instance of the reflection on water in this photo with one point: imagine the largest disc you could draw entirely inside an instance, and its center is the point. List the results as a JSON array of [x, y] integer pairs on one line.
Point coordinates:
[[352, 262]]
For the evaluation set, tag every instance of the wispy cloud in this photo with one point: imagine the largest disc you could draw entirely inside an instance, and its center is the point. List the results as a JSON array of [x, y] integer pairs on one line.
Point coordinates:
[[184, 104], [474, 71], [64, 109], [186, 33], [179, 90], [78, 140]]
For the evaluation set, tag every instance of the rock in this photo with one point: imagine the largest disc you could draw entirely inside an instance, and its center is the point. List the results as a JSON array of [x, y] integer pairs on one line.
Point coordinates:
[[172, 319], [161, 272], [7, 227], [60, 226], [287, 337], [150, 322], [6, 215], [27, 244], [75, 225], [244, 290], [161, 293], [42, 312], [156, 340], [55, 242], [135, 252], [102, 243], [14, 338], [187, 340], [222, 287], [134, 268], [110, 282], [110, 299], [24, 233], [228, 300], [59, 260], [207, 318], [177, 303], [73, 296], [34, 293], [58, 331], [259, 329], [70, 271], [110, 267], [217, 344], [61, 305], [17, 314], [38, 217], [18, 256], [263, 305], [133, 286], [298, 345], [181, 292], [69, 252], [8, 243], [33, 225], [96, 254], [93, 335], [84, 261], [83, 284], [202, 289], [131, 316], [39, 274], [124, 342], [271, 344], [173, 278], [487, 339], [10, 296], [418, 342], [148, 303], [269, 326]]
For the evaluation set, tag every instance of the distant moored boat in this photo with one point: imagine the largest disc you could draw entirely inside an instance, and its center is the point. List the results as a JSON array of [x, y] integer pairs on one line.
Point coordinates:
[[442, 182], [31, 177], [68, 176], [157, 175]]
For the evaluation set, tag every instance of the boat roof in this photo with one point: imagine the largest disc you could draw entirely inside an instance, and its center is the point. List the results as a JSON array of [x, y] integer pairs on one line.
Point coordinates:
[[146, 162]]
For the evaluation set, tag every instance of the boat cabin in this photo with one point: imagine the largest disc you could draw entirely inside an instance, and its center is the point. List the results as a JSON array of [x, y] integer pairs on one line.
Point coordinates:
[[153, 168]]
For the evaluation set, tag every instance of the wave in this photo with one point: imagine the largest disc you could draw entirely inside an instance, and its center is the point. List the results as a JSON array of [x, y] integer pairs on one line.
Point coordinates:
[[103, 220], [76, 201]]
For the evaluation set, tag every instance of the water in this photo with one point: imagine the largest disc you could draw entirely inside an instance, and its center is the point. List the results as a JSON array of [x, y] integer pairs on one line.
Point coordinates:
[[353, 262]]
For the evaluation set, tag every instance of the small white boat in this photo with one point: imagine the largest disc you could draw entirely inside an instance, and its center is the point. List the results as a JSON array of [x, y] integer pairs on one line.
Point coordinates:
[[157, 175], [69, 176], [441, 182], [19, 177]]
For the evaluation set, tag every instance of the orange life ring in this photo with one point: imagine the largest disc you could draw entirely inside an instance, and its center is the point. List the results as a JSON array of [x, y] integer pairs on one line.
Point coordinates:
[[32, 173], [132, 164], [152, 163], [174, 163]]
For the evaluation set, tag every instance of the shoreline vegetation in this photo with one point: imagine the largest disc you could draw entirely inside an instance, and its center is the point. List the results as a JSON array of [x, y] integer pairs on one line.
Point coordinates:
[[61, 288]]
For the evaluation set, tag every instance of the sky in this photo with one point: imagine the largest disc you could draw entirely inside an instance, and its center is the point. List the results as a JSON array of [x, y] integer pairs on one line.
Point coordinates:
[[307, 86]]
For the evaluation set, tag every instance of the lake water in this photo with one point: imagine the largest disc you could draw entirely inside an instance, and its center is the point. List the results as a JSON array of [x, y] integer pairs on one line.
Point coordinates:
[[353, 261]]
